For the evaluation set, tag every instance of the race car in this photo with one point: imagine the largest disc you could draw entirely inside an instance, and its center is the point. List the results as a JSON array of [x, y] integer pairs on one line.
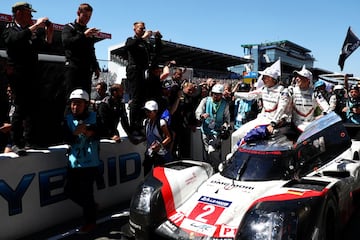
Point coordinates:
[[268, 189]]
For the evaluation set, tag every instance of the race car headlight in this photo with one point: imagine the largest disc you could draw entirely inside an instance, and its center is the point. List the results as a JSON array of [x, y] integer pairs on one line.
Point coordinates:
[[143, 201], [261, 225], [268, 224]]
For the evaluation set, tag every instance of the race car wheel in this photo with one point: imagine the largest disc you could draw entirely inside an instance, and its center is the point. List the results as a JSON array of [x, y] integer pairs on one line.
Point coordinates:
[[329, 228]]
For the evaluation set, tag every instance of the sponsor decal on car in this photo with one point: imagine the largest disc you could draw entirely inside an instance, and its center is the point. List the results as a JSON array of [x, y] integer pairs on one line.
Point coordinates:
[[198, 227]]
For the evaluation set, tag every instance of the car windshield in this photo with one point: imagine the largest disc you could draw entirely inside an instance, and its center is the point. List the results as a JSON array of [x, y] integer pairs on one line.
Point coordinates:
[[247, 165]]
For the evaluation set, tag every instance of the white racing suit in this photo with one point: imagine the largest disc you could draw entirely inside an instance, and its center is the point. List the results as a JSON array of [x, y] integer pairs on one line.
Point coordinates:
[[303, 104], [275, 108]]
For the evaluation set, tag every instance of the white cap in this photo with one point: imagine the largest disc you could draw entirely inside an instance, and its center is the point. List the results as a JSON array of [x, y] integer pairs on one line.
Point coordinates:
[[79, 94], [339, 87], [217, 88], [304, 73], [151, 105], [271, 72]]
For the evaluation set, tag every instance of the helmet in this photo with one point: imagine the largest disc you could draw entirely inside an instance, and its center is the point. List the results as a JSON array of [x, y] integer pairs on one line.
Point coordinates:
[[79, 94], [319, 83], [217, 88]]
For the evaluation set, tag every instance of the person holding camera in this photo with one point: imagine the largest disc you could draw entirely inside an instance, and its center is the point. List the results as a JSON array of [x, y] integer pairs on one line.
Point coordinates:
[[142, 52], [23, 39], [78, 41], [213, 112]]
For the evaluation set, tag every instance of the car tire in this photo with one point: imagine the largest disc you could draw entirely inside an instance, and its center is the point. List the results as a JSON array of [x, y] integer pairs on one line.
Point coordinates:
[[329, 225]]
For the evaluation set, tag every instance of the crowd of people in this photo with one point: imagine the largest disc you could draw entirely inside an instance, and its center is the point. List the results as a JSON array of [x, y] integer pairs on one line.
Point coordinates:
[[164, 108]]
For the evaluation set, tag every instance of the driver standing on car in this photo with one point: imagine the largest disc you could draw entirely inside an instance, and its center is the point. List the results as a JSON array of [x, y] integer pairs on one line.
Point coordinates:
[[214, 113]]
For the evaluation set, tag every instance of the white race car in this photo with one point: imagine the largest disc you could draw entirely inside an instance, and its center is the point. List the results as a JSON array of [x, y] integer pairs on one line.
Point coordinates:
[[268, 189]]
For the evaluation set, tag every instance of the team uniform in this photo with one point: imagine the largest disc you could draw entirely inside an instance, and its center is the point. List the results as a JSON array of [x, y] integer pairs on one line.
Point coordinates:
[[22, 47], [275, 105], [303, 104], [80, 56], [140, 55]]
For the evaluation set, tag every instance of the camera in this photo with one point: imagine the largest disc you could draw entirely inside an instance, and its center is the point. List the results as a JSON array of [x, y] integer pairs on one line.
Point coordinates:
[[156, 34], [47, 23]]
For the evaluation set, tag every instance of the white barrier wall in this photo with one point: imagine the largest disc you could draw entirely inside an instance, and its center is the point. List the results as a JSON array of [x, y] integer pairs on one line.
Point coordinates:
[[31, 187]]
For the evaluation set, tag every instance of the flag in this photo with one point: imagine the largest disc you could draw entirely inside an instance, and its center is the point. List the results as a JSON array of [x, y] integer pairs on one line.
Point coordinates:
[[351, 43]]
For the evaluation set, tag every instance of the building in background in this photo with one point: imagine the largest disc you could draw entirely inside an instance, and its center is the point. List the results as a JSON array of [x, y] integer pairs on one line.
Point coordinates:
[[204, 63], [292, 55]]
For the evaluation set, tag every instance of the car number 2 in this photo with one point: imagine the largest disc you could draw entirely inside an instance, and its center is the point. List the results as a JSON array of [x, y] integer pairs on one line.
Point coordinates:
[[206, 213]]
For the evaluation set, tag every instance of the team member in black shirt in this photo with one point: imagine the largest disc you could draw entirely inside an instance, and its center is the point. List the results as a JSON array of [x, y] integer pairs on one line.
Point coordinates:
[[141, 55], [78, 41], [23, 40]]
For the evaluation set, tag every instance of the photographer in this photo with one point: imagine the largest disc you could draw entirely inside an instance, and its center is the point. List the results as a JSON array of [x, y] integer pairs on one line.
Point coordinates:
[[23, 41], [141, 55], [78, 41]]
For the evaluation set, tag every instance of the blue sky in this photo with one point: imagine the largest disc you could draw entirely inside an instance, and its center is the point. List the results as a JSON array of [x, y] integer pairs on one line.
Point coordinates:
[[223, 26]]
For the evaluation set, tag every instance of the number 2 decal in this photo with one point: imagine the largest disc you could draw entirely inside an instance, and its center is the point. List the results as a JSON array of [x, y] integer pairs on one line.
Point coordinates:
[[208, 210], [206, 213]]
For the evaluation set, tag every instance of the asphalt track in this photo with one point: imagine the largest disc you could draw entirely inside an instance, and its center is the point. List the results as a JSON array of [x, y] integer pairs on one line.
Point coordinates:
[[112, 224]]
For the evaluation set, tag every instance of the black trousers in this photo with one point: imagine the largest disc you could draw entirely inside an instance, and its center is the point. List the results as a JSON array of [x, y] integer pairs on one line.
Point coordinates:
[[136, 81], [79, 187], [24, 86], [77, 77]]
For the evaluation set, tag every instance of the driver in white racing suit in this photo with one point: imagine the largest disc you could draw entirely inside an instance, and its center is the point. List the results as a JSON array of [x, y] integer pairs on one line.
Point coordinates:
[[304, 100], [275, 104]]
